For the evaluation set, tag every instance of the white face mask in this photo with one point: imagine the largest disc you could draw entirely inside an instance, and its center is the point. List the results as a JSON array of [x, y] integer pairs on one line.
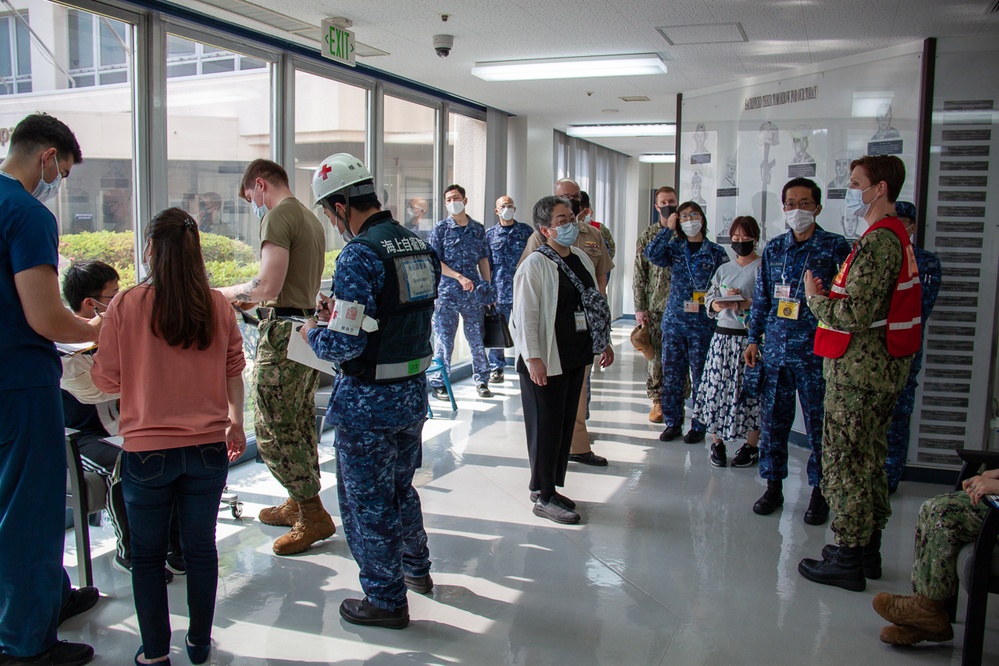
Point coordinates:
[[587, 218], [260, 210], [507, 213], [691, 228], [799, 220], [455, 207], [855, 202], [45, 191]]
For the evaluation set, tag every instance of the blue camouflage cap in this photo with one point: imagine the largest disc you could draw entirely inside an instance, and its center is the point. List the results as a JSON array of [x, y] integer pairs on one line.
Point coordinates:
[[905, 209]]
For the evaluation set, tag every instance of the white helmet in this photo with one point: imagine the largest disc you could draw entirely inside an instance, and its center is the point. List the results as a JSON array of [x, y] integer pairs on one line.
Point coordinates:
[[340, 174]]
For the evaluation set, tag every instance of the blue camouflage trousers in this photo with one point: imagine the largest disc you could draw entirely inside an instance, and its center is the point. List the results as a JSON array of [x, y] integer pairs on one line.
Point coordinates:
[[898, 435], [497, 357], [684, 354], [777, 409], [380, 508], [446, 327]]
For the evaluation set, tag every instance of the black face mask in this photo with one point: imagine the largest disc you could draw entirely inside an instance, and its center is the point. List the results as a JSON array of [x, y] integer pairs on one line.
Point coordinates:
[[577, 206], [743, 248], [666, 211]]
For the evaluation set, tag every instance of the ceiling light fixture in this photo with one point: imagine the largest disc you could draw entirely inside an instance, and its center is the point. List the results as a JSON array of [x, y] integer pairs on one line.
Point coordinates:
[[570, 68], [659, 158], [648, 129]]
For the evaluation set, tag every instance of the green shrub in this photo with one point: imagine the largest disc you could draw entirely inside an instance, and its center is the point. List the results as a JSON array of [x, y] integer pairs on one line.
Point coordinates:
[[220, 248], [112, 247], [225, 273]]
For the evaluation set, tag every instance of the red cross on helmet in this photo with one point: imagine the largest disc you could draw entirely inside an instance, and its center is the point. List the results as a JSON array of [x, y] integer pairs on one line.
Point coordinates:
[[337, 173]]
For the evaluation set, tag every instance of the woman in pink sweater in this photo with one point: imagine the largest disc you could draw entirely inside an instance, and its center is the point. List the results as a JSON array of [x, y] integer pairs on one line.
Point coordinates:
[[170, 346]]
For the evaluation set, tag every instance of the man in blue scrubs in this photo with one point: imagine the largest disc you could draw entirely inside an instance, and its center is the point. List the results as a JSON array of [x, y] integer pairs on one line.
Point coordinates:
[[33, 587]]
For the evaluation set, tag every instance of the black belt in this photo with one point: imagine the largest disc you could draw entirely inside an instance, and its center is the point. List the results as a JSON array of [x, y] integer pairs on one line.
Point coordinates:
[[732, 331], [293, 312]]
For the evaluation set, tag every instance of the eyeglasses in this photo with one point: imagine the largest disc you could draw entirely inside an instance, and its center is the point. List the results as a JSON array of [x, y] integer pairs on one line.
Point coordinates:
[[803, 205], [690, 216]]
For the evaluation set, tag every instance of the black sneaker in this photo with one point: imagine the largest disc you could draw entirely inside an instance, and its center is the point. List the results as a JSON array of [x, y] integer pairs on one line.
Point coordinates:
[[559, 497], [79, 601], [60, 654], [176, 564], [362, 611], [440, 393], [718, 456], [125, 566], [483, 391], [555, 512], [746, 456], [496, 376]]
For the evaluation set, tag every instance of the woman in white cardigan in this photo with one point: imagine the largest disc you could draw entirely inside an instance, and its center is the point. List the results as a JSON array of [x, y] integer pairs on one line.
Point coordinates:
[[553, 347]]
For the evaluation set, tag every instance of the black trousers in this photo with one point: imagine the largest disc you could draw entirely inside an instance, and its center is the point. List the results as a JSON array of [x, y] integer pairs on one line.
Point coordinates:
[[549, 416]]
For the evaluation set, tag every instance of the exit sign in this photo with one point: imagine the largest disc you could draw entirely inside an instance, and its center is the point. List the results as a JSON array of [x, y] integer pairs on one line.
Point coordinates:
[[338, 43]]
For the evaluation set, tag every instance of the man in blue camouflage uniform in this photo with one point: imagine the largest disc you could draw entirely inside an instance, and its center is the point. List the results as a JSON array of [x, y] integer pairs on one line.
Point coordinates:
[[506, 242], [379, 336], [930, 275], [778, 314], [460, 243]]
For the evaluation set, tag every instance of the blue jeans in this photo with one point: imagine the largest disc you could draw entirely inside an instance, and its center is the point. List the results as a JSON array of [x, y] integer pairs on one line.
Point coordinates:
[[152, 481]]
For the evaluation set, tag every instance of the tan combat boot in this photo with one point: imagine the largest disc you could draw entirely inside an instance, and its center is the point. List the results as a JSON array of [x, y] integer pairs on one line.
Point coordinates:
[[656, 413], [918, 618], [285, 514], [314, 524]]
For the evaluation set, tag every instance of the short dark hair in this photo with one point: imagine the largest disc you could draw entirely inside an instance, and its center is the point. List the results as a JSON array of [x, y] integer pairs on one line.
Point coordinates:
[[584, 199], [748, 225], [40, 131], [270, 171], [86, 279], [543, 209], [802, 182], [887, 168], [665, 189], [455, 186], [704, 218]]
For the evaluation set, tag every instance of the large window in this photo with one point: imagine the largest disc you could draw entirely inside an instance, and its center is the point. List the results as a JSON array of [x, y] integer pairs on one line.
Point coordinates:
[[466, 164], [330, 117], [409, 163], [99, 49], [15, 55], [188, 58]]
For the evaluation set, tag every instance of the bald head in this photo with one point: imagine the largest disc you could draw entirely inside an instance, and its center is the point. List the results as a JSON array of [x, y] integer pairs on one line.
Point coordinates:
[[568, 188]]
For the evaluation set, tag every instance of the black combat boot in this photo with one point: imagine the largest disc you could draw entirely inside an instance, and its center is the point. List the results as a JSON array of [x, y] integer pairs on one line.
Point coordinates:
[[772, 498], [870, 558], [842, 570], [818, 509]]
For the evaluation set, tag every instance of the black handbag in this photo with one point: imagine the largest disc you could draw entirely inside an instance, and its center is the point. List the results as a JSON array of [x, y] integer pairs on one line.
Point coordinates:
[[495, 331], [594, 304]]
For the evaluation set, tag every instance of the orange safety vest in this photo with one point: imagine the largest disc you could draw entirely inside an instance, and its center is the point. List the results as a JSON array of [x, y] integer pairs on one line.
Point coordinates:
[[904, 314]]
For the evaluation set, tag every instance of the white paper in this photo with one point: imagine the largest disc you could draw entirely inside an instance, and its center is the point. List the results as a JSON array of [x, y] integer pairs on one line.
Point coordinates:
[[300, 352]]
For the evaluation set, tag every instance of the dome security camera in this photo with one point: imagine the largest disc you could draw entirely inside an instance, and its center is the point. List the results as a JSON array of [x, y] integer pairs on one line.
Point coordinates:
[[443, 45]]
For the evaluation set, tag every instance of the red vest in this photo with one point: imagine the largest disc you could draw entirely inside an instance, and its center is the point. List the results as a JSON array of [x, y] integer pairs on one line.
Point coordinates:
[[904, 324]]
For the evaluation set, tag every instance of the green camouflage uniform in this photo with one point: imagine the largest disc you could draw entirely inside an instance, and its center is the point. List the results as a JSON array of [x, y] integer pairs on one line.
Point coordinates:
[[285, 413], [862, 388], [946, 524], [651, 288]]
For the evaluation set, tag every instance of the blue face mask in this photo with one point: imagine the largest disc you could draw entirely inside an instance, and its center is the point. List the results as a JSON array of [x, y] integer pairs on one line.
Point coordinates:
[[566, 234], [260, 210], [45, 191], [855, 202]]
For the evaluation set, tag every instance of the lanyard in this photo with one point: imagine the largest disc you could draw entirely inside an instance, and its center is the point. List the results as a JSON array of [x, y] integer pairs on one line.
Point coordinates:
[[801, 277], [686, 254]]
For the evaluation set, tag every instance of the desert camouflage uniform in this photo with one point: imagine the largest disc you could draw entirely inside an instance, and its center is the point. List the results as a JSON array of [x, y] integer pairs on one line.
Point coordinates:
[[285, 413], [945, 525], [862, 387], [651, 287]]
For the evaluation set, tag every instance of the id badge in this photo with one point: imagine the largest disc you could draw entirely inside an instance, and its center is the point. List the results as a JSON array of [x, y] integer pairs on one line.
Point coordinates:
[[698, 296], [782, 291], [787, 309], [580, 321], [691, 306]]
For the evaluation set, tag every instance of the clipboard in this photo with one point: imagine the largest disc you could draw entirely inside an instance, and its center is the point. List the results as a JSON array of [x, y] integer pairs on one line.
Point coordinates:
[[734, 298], [300, 352]]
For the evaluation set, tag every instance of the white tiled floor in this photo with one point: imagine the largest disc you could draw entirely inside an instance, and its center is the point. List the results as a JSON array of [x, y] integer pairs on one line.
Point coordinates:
[[670, 565]]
